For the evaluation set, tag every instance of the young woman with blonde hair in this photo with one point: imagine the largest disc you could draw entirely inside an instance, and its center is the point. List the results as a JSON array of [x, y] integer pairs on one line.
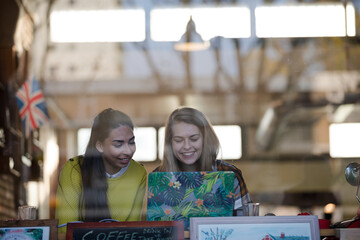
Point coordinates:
[[192, 145]]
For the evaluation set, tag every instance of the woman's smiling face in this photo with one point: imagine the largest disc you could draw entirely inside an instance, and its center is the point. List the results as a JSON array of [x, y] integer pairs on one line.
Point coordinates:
[[187, 142], [117, 149]]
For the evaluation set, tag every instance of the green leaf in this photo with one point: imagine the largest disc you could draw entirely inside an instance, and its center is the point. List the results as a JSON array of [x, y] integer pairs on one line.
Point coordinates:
[[187, 208], [211, 183], [158, 183], [155, 212], [188, 193]]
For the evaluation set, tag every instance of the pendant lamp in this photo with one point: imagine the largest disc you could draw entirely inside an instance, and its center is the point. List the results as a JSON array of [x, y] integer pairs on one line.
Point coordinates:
[[191, 40]]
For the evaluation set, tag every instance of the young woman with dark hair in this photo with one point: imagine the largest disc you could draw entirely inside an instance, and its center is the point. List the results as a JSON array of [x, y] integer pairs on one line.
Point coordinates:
[[105, 182]]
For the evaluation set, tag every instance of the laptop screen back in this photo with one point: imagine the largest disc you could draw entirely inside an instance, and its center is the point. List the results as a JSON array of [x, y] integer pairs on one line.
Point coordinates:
[[176, 196]]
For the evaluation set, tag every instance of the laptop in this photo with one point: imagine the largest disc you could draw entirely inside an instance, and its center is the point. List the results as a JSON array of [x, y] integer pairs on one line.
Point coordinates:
[[178, 196]]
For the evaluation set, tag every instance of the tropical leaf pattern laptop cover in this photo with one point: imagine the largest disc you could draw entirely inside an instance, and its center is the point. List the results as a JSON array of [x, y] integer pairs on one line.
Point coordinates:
[[174, 196]]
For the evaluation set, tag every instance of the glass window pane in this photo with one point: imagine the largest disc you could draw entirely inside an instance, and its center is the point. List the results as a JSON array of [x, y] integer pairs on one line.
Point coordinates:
[[322, 20], [170, 23], [145, 139], [344, 140], [98, 26], [83, 137], [229, 137], [161, 137], [230, 141]]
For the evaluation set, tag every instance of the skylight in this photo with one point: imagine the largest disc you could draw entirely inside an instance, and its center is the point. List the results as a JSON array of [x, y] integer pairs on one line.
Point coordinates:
[[98, 26], [231, 22], [305, 20], [168, 24]]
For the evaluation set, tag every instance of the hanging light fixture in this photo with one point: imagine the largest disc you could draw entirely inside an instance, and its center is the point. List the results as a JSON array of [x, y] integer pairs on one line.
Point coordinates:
[[191, 40]]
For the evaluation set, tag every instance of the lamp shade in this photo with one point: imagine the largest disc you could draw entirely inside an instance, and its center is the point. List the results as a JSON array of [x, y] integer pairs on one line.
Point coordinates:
[[191, 40]]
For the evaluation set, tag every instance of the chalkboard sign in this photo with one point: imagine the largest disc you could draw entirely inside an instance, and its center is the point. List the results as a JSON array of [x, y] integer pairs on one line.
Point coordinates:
[[142, 230]]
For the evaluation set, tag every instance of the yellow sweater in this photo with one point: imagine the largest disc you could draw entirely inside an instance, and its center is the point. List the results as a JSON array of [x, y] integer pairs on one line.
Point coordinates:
[[125, 193]]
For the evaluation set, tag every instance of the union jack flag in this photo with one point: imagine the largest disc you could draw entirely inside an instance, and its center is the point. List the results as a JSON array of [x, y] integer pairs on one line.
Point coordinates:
[[32, 107]]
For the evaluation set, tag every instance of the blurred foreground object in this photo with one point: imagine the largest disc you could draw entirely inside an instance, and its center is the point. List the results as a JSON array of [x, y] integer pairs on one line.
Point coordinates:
[[352, 175]]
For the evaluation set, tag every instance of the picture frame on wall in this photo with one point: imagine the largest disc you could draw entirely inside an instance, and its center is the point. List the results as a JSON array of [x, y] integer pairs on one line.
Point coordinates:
[[255, 227]]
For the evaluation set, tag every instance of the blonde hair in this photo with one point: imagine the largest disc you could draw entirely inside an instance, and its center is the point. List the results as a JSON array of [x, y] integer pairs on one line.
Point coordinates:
[[210, 141]]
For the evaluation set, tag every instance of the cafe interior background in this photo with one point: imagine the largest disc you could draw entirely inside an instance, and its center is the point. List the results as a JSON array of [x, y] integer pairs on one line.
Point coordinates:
[[279, 80]]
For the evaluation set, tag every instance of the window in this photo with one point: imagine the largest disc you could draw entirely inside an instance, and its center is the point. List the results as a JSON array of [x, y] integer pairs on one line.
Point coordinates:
[[145, 139], [98, 26], [231, 22], [305, 20], [83, 137], [229, 137], [230, 141], [344, 140]]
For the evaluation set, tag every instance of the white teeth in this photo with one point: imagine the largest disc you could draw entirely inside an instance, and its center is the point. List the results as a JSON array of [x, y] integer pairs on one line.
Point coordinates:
[[187, 154]]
